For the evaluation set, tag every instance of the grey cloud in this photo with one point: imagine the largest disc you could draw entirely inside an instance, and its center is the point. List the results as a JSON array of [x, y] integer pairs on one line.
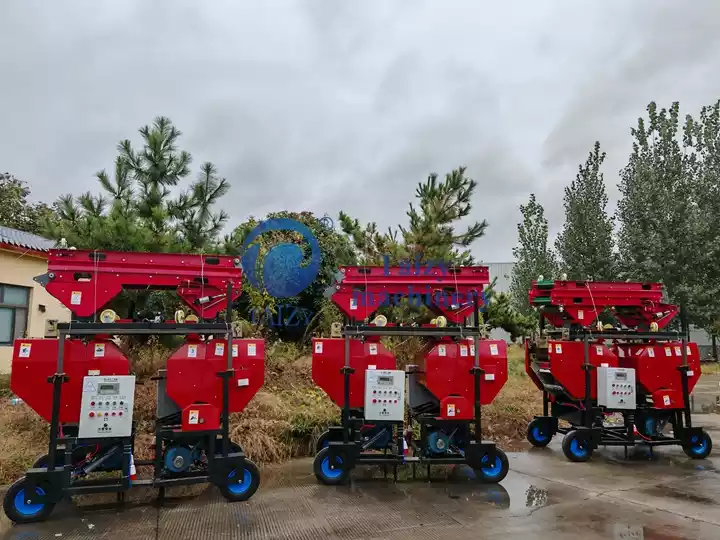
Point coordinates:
[[328, 106]]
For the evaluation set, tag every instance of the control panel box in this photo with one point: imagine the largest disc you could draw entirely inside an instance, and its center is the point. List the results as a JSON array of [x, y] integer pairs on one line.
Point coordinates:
[[107, 406], [385, 395], [616, 388]]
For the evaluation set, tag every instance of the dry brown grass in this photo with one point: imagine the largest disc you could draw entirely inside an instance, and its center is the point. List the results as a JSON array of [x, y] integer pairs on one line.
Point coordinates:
[[281, 422]]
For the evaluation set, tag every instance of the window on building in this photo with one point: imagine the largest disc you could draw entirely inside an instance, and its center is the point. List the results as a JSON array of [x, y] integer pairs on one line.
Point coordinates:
[[14, 304]]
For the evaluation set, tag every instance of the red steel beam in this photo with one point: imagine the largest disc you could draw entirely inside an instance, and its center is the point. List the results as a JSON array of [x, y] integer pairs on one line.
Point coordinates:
[[85, 281]]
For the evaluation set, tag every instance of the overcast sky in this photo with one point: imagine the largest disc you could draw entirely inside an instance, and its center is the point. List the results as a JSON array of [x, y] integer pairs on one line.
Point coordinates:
[[329, 105]]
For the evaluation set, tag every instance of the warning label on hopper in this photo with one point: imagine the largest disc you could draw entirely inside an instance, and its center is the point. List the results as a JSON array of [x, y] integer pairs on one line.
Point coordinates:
[[24, 350], [194, 416]]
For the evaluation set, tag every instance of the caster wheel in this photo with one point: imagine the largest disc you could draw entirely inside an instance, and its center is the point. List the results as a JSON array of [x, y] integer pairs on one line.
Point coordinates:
[[535, 434], [493, 472], [245, 483], [699, 447], [322, 441], [328, 471], [18, 510], [575, 448]]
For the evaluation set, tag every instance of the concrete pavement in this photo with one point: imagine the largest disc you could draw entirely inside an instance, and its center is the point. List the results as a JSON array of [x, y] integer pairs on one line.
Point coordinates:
[[664, 497]]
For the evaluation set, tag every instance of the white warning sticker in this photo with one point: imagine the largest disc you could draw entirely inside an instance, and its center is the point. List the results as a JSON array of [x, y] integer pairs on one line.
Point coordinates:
[[668, 352], [373, 349], [581, 314], [192, 351], [463, 350], [88, 386], [451, 409], [690, 373], [494, 349], [558, 348], [353, 304], [24, 350], [599, 350], [235, 350], [93, 372], [472, 350], [604, 364], [489, 376], [687, 350], [318, 346], [219, 349], [99, 350], [252, 349], [194, 416], [76, 298], [651, 352], [678, 351], [666, 400], [243, 382], [441, 350], [373, 366]]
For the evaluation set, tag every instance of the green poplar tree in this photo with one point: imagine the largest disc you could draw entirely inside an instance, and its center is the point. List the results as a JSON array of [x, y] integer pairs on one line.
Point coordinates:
[[533, 256], [585, 245]]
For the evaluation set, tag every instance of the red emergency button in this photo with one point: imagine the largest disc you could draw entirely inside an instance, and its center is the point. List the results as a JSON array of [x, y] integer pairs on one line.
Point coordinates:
[[92, 403], [120, 413], [92, 414], [374, 400], [113, 414]]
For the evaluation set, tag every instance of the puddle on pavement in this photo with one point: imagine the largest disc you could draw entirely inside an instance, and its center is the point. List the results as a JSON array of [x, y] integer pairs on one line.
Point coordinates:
[[673, 493]]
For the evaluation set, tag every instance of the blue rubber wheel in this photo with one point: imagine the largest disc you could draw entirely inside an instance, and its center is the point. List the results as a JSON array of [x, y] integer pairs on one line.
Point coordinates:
[[243, 484], [330, 470], [19, 510], [537, 435], [492, 470], [576, 448], [700, 446]]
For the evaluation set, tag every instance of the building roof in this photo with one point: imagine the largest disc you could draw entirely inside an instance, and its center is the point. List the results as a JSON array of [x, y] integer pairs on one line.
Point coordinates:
[[24, 240]]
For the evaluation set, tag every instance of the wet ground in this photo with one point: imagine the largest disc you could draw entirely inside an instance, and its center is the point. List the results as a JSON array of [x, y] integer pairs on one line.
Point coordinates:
[[661, 497]]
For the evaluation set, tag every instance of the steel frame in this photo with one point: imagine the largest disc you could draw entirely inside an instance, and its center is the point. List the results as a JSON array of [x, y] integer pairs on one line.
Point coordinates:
[[591, 429], [347, 443], [58, 476]]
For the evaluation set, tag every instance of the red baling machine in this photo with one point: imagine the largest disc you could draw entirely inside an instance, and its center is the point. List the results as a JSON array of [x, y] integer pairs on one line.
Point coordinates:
[[608, 352], [441, 393], [81, 382]]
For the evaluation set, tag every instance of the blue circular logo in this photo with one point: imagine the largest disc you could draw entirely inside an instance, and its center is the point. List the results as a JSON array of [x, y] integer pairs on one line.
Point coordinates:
[[327, 222], [283, 275]]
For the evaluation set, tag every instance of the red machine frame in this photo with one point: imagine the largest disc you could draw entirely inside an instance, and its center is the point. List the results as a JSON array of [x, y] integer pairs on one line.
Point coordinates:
[[563, 364], [85, 281], [339, 366], [192, 443]]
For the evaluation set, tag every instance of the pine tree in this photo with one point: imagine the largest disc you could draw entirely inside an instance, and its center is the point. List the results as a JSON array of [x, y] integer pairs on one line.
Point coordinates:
[[585, 245], [533, 257]]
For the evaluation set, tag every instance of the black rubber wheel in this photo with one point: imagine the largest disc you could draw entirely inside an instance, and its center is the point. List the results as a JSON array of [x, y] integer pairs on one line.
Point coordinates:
[[699, 447], [329, 473], [322, 441], [575, 448], [536, 434], [492, 473], [18, 510], [248, 481]]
